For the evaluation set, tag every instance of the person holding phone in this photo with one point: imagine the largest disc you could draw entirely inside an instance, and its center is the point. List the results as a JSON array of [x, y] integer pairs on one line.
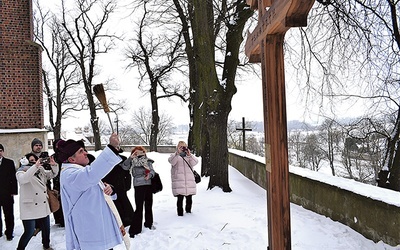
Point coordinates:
[[33, 202], [183, 183]]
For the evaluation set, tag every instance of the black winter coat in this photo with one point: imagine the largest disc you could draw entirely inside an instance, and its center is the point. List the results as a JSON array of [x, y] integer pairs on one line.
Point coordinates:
[[119, 178], [8, 181]]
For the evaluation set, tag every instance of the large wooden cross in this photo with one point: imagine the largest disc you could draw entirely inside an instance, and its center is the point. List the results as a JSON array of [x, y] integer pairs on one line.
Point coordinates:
[[265, 45]]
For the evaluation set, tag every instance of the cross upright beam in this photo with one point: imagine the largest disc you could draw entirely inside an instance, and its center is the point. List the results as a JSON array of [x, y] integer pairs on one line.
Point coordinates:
[[265, 45]]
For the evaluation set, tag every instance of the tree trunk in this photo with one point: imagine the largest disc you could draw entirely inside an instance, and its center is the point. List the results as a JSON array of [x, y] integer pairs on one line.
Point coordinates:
[[155, 118], [389, 176], [210, 101], [94, 120], [193, 80], [218, 170], [394, 178], [203, 48]]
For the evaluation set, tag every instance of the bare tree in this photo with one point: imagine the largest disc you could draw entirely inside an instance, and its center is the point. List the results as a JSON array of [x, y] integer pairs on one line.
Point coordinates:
[[128, 135], [142, 125], [351, 49], [295, 144], [158, 56], [234, 139], [370, 135], [254, 145], [330, 137], [86, 39], [312, 152], [350, 146], [60, 78], [212, 28], [213, 36]]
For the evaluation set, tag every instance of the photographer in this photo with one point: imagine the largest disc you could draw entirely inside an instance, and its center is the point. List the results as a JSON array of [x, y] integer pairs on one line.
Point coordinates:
[[37, 147], [142, 171], [34, 206], [183, 183]]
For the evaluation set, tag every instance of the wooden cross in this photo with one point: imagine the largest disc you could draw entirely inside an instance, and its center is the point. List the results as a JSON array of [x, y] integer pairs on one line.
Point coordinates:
[[244, 129], [265, 45]]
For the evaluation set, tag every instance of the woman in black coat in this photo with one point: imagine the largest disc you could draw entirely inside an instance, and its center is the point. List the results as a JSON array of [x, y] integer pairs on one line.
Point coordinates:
[[121, 181]]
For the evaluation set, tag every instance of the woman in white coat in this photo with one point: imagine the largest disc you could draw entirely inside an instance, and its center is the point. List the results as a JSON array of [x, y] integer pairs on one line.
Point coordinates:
[[182, 177], [34, 206]]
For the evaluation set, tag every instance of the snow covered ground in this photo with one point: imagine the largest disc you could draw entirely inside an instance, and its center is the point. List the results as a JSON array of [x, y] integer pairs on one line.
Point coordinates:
[[235, 220]]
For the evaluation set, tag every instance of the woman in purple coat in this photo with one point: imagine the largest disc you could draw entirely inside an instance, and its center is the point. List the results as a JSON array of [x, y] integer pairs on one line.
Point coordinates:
[[183, 184]]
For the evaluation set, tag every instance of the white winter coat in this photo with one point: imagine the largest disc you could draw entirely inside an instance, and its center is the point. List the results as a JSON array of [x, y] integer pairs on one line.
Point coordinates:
[[181, 175], [33, 201]]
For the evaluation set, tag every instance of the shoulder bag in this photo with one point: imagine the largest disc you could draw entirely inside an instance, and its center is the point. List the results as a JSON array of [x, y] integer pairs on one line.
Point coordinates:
[[53, 200], [197, 177], [156, 184]]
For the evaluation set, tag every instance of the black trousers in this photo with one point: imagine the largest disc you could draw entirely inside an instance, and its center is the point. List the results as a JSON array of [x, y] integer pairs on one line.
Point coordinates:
[[143, 197], [124, 207], [179, 204], [58, 215], [8, 211]]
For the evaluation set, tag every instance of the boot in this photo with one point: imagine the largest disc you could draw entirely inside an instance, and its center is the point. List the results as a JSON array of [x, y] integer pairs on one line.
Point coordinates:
[[188, 208], [180, 211]]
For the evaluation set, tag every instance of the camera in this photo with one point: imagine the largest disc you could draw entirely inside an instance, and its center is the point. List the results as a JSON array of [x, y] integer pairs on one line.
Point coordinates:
[[45, 159], [184, 149]]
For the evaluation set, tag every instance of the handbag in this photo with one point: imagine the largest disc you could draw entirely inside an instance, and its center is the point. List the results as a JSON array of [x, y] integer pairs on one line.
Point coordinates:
[[197, 177], [156, 184], [53, 200]]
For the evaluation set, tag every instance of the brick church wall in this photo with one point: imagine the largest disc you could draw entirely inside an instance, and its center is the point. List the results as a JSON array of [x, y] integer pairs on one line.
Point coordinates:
[[20, 68]]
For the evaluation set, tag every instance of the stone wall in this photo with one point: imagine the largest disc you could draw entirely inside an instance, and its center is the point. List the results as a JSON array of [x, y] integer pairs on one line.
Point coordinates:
[[374, 219], [17, 142], [127, 148]]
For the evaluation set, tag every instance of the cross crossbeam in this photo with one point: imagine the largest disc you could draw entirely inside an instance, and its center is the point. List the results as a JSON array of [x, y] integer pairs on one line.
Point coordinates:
[[279, 18]]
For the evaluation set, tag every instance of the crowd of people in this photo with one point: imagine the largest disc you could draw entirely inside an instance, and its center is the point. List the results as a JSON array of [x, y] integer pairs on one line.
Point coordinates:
[[88, 184]]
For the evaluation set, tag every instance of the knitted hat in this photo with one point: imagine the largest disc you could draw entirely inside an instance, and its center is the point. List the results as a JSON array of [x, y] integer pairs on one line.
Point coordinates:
[[1, 147], [35, 142], [68, 148]]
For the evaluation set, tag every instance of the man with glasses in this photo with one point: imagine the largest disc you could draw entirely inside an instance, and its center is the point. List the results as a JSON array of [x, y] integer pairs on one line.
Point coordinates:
[[8, 188]]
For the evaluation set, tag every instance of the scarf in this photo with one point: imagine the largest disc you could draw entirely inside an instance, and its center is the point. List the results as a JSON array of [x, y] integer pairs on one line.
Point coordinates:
[[140, 161]]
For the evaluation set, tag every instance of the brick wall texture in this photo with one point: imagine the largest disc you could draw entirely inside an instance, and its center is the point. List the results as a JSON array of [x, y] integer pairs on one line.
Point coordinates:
[[21, 96]]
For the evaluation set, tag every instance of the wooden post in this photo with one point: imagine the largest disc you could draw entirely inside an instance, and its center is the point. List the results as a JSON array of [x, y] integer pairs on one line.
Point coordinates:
[[244, 129], [265, 45]]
